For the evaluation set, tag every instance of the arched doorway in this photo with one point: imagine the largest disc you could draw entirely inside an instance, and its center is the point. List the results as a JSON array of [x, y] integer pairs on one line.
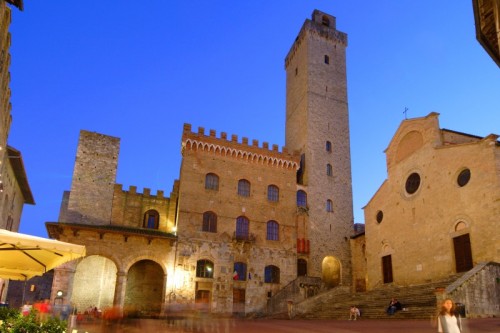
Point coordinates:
[[94, 283], [144, 292], [331, 271]]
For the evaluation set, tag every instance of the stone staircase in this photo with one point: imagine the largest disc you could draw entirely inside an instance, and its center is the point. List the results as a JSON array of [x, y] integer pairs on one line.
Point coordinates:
[[419, 302]]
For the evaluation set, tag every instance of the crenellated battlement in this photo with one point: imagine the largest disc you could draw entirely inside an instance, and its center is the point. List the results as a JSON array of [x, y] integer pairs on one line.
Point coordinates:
[[233, 148], [132, 190]]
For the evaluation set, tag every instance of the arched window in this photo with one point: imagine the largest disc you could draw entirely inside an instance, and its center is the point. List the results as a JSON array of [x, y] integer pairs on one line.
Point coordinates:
[[329, 170], [244, 188], [212, 182], [240, 271], [271, 274], [329, 146], [327, 59], [151, 219], [273, 193], [329, 205], [209, 222], [204, 269], [272, 230], [301, 199], [242, 227]]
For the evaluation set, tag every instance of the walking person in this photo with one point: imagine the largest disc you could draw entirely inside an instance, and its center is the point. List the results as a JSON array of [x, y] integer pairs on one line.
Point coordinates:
[[447, 321], [354, 313]]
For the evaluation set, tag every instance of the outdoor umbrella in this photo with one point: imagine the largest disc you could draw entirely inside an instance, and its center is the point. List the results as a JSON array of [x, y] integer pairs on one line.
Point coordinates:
[[24, 256]]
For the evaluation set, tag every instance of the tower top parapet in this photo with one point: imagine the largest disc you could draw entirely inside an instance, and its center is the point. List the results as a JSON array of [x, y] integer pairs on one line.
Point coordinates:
[[321, 24]]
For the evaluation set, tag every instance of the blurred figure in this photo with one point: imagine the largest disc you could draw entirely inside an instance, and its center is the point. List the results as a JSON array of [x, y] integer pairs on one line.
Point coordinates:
[[447, 321], [354, 313], [26, 309], [394, 306]]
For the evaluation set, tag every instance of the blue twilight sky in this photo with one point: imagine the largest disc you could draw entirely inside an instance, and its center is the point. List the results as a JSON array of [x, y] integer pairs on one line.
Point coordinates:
[[139, 70]]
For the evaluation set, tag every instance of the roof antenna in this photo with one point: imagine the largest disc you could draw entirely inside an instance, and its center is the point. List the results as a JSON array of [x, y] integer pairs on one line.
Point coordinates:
[[405, 111]]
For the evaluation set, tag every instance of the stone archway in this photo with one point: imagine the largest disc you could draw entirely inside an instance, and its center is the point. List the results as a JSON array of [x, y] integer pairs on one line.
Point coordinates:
[[94, 283], [331, 269], [144, 292]]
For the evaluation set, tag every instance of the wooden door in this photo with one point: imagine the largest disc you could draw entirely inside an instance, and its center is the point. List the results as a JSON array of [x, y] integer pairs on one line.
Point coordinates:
[[387, 268], [463, 253], [238, 301]]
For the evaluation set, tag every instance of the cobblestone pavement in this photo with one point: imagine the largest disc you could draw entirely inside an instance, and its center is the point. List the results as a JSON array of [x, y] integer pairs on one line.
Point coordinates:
[[201, 325]]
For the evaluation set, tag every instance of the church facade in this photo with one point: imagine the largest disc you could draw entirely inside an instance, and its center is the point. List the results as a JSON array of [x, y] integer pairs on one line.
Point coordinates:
[[244, 219], [437, 214]]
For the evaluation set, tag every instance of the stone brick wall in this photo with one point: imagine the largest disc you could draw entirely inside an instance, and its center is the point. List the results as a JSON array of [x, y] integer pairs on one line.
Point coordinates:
[[94, 177], [479, 291], [130, 206]]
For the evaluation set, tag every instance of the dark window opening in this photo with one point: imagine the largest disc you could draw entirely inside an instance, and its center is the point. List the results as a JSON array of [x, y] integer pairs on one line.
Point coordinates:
[[151, 219], [271, 274], [209, 222], [463, 178], [302, 170], [412, 183]]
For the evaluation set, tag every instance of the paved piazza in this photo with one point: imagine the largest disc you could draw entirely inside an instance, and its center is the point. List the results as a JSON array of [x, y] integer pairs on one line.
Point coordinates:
[[202, 325]]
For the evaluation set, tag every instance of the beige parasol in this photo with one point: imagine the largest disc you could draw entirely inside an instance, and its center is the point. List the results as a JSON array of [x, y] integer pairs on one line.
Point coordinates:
[[24, 256]]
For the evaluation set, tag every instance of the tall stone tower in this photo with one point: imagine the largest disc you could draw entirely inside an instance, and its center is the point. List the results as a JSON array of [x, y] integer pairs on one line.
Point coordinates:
[[317, 125], [91, 198]]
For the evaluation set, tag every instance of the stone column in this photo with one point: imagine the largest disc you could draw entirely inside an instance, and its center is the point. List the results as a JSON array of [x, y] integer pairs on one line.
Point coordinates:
[[63, 280], [120, 289], [164, 305]]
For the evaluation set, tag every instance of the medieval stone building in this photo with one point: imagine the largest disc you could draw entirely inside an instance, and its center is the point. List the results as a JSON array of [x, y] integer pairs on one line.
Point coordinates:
[[242, 222], [14, 187]]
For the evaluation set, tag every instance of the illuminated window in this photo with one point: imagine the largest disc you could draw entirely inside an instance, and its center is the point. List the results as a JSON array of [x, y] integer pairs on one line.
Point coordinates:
[[204, 269]]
